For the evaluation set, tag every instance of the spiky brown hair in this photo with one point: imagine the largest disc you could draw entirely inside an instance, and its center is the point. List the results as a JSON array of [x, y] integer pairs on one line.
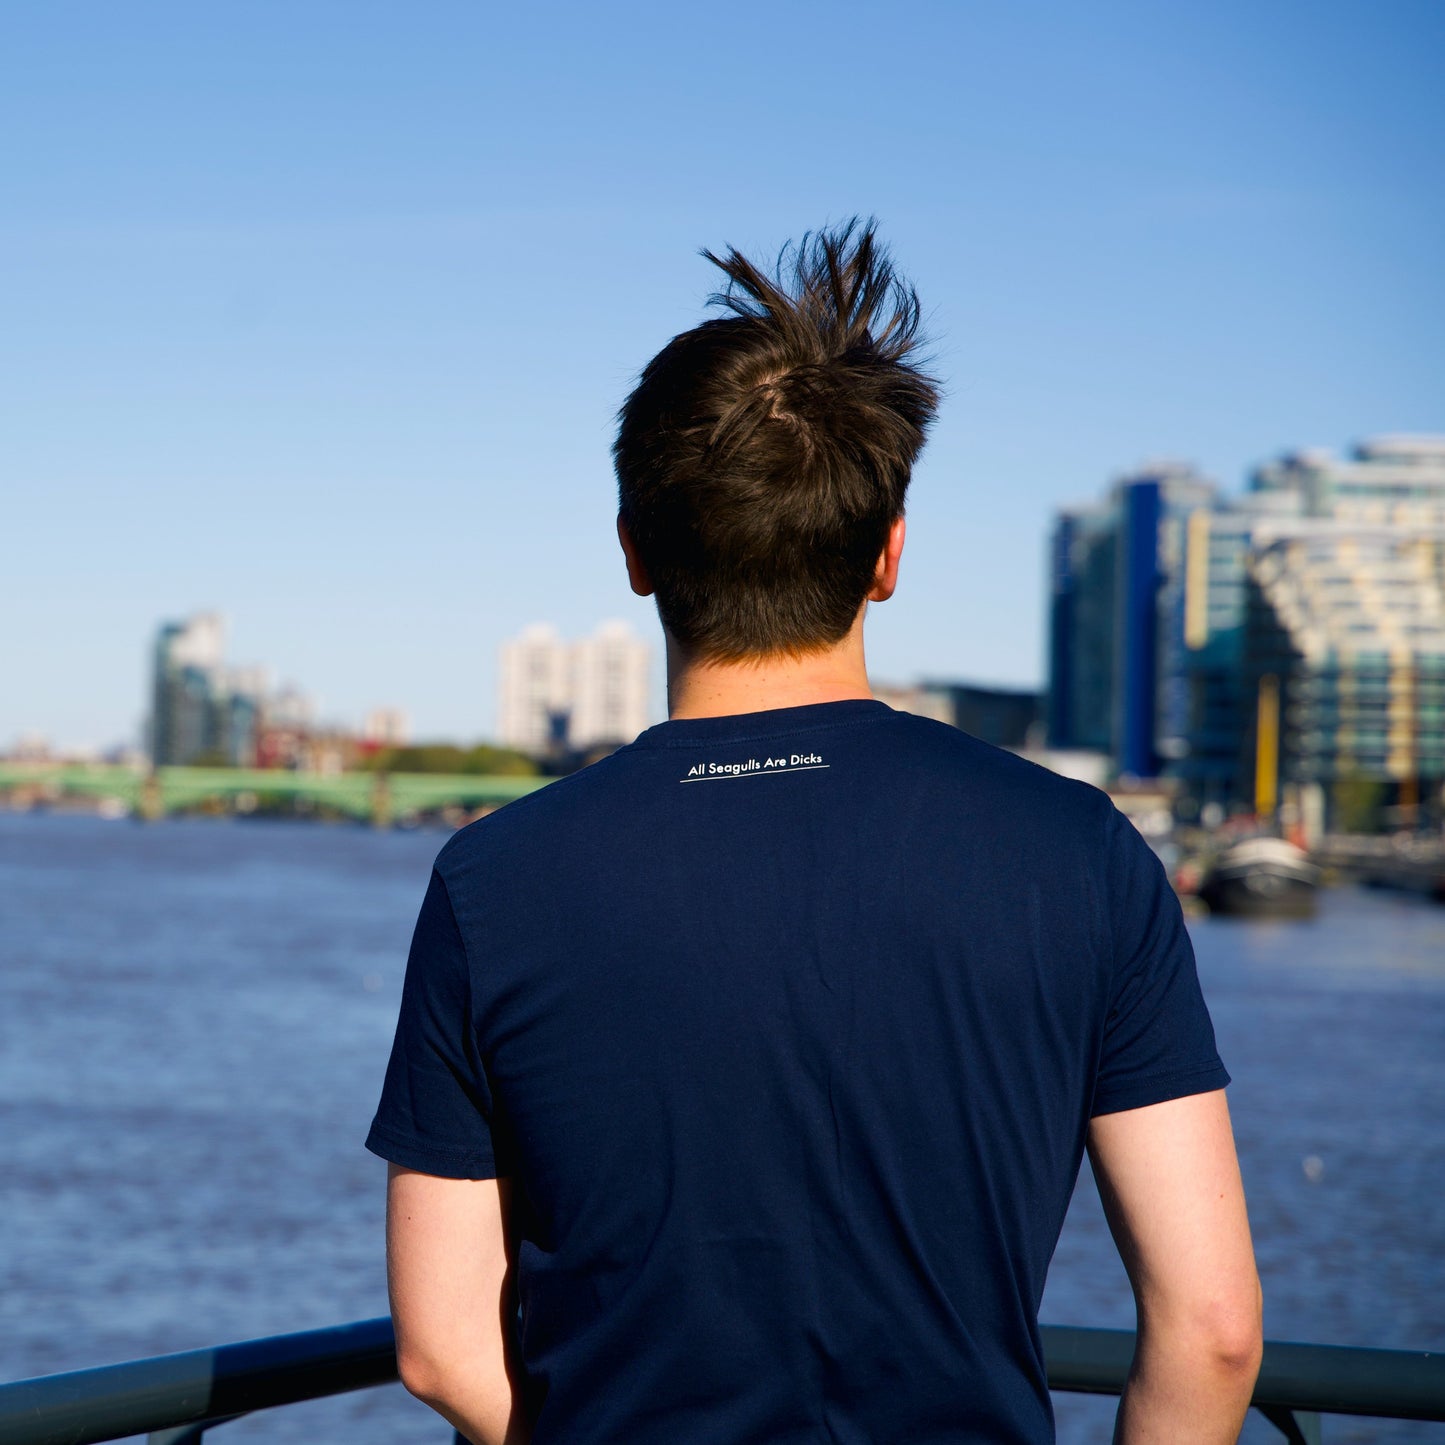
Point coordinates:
[[763, 455]]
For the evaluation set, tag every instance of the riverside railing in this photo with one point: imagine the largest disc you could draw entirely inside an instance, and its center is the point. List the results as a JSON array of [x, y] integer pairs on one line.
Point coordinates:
[[174, 1399]]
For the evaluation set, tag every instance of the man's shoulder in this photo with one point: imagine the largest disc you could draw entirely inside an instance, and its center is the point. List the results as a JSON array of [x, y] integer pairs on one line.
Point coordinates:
[[940, 752], [560, 805], [930, 765]]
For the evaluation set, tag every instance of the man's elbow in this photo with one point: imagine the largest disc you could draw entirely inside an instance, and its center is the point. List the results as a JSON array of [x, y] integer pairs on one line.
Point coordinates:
[[1221, 1336], [1232, 1330], [424, 1375], [1246, 1347]]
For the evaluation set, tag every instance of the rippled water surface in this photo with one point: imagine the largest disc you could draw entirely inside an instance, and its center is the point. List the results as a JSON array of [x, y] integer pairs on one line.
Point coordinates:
[[194, 1018]]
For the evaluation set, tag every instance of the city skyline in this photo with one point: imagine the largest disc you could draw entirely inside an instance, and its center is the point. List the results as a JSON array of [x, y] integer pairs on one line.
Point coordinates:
[[347, 370], [379, 719], [206, 709], [1289, 640]]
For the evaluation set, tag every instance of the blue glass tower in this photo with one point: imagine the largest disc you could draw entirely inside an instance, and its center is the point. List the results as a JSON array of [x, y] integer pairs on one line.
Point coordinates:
[[1138, 649]]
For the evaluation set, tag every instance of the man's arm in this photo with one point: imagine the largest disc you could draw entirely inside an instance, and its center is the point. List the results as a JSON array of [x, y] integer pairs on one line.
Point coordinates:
[[449, 1271], [1169, 1180]]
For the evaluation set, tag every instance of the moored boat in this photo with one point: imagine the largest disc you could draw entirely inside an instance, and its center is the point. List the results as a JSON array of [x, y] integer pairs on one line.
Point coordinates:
[[1262, 878]]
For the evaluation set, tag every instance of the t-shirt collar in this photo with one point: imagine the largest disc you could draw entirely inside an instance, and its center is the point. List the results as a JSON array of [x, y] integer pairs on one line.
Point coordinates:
[[773, 722]]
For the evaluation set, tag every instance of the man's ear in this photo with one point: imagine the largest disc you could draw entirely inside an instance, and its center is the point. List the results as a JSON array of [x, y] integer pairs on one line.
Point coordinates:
[[885, 577], [636, 572]]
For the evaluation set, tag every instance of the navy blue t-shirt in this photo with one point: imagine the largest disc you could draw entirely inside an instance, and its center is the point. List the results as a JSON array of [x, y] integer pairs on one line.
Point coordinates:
[[788, 1027]]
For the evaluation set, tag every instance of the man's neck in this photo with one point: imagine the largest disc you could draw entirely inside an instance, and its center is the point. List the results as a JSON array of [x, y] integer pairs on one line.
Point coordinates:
[[719, 689]]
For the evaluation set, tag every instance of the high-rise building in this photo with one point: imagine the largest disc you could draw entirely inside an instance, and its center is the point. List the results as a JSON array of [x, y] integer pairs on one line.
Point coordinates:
[[1391, 481], [1304, 516], [534, 697], [555, 695], [205, 712], [186, 666], [1116, 648], [1347, 631], [1217, 547], [610, 686], [239, 699], [1081, 630], [1320, 565]]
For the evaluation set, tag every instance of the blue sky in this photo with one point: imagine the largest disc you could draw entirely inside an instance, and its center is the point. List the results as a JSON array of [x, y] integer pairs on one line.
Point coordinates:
[[319, 313]]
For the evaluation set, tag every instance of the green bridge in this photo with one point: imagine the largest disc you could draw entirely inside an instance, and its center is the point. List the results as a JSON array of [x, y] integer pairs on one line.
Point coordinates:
[[377, 797]]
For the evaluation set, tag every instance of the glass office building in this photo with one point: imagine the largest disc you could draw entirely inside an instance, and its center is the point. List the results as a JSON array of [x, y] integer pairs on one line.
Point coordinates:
[[1352, 624], [1169, 603], [1116, 620]]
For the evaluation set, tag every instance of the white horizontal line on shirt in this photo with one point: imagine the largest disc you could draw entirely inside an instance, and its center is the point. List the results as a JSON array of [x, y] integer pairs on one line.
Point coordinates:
[[761, 772]]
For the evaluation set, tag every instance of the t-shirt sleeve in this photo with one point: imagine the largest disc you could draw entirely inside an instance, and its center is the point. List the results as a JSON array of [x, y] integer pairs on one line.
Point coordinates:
[[1158, 1039], [435, 1114]]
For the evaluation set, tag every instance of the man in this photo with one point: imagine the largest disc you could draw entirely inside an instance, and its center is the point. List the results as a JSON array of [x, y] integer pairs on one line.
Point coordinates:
[[742, 1079]]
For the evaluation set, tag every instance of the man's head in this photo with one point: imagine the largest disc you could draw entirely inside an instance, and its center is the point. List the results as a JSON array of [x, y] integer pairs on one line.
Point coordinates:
[[764, 455]]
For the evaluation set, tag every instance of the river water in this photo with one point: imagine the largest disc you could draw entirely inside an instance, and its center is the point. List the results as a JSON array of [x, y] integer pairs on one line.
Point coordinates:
[[195, 1015]]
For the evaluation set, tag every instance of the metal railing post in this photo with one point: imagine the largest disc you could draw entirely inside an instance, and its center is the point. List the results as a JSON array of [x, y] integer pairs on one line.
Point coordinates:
[[188, 1434], [1299, 1427]]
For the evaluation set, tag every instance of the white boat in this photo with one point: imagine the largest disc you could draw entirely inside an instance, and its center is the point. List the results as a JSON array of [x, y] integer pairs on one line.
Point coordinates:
[[1262, 878]]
